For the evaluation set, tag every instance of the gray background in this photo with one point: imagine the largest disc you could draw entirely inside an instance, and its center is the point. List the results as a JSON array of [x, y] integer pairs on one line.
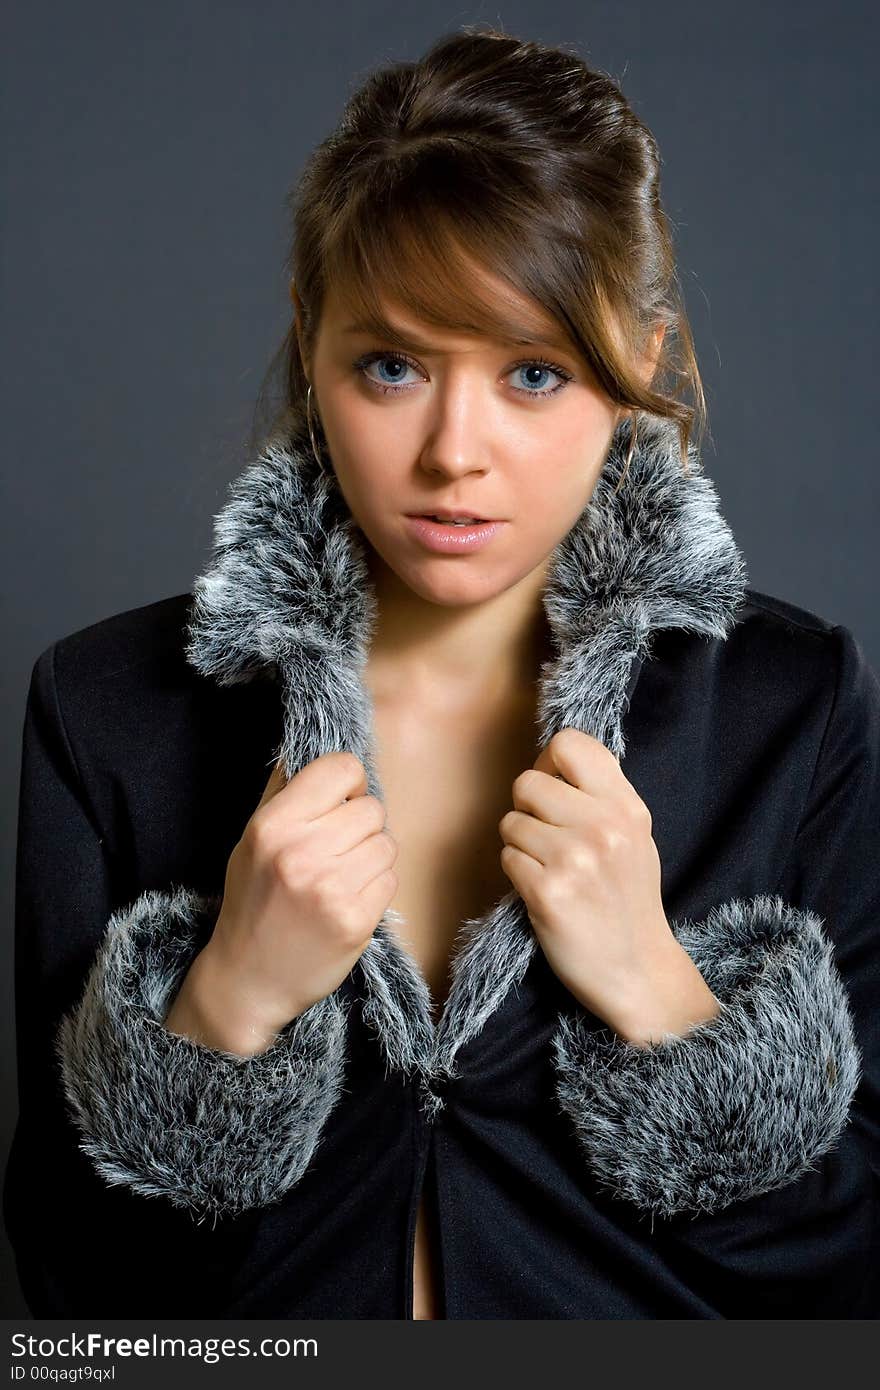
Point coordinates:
[[147, 152]]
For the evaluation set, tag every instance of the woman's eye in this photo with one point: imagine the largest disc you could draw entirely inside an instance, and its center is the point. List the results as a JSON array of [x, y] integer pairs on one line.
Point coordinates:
[[392, 371], [530, 378]]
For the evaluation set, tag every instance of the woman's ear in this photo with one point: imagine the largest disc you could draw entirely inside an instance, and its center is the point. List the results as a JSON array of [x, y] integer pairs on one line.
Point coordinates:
[[652, 353]]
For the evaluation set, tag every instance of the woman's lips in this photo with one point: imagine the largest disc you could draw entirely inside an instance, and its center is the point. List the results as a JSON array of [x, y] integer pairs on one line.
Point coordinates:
[[445, 538]]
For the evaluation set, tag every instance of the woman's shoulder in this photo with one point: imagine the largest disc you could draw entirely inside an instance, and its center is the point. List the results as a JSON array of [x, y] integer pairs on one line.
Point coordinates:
[[776, 632], [133, 717], [125, 675], [793, 657], [773, 639], [153, 632], [782, 615], [778, 666]]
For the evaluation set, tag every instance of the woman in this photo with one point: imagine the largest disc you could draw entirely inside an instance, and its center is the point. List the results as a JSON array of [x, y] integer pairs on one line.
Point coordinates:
[[408, 1029]]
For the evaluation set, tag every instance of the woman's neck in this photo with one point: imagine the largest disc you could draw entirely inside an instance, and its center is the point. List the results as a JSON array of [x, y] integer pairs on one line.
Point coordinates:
[[452, 656]]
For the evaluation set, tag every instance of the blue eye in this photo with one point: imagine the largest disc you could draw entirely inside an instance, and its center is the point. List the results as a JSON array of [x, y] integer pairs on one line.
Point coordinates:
[[390, 380], [394, 380], [542, 370]]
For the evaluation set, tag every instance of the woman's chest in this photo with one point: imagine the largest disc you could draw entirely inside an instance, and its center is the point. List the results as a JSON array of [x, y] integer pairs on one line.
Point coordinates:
[[446, 782]]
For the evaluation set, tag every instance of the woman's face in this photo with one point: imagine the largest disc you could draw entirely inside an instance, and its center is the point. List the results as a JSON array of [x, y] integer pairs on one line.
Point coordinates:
[[437, 421]]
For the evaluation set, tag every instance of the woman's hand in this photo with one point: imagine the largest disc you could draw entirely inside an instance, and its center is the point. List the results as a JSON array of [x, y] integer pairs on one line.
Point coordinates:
[[580, 853], [306, 886]]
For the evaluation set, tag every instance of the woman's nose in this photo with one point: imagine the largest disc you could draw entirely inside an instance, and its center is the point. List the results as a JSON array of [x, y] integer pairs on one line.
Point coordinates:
[[456, 439]]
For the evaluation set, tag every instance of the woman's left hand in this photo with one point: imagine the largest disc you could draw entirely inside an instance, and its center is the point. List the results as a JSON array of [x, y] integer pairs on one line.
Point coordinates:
[[580, 853]]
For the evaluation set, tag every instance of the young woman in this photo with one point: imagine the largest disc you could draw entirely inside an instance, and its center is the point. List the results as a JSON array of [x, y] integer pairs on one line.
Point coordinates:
[[537, 979]]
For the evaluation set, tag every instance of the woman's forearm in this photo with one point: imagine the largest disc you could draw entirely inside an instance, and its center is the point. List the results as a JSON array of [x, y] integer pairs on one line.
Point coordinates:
[[208, 1009]]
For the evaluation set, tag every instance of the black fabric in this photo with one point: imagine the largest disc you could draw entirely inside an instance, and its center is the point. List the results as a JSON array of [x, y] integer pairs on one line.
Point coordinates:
[[759, 758]]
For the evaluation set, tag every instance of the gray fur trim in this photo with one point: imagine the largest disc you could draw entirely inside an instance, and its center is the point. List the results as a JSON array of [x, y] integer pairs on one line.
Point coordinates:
[[490, 956], [204, 1128], [745, 1102]]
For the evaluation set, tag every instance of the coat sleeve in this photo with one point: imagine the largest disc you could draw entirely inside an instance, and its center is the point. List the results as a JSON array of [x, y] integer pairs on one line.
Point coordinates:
[[118, 1116], [779, 1091]]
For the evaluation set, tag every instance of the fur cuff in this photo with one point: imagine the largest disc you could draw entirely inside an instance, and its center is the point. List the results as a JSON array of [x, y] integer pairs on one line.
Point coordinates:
[[745, 1102], [167, 1116]]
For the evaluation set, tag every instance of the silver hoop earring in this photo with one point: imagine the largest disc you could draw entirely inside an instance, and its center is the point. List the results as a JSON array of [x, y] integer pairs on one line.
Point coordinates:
[[634, 416], [315, 450]]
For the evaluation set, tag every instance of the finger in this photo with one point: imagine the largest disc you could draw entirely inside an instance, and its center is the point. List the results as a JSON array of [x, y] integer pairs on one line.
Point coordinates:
[[277, 780], [322, 784], [552, 799], [584, 762], [521, 869], [530, 835]]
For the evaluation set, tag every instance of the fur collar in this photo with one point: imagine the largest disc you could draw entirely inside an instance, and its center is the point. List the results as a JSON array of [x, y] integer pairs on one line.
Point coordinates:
[[287, 596]]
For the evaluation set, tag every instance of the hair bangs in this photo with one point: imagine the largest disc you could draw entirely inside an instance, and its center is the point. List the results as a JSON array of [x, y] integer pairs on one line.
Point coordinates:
[[420, 258]]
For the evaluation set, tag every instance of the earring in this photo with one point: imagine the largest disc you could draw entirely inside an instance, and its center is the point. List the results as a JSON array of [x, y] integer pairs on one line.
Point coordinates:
[[315, 451], [634, 422]]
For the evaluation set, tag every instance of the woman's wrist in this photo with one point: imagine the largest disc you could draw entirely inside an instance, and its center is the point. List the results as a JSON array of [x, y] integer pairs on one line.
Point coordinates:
[[676, 999], [210, 1008]]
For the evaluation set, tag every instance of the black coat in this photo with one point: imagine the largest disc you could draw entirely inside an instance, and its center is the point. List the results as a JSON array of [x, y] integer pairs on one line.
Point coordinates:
[[731, 1172]]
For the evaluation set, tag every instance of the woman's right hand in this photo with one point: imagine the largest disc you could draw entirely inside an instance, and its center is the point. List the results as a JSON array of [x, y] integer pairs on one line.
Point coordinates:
[[306, 886]]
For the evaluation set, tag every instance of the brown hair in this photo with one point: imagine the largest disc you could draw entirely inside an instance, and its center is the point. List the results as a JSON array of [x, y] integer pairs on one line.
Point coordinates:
[[491, 152]]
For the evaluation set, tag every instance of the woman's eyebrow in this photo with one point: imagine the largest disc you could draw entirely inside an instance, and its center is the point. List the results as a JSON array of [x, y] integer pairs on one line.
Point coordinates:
[[404, 339]]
